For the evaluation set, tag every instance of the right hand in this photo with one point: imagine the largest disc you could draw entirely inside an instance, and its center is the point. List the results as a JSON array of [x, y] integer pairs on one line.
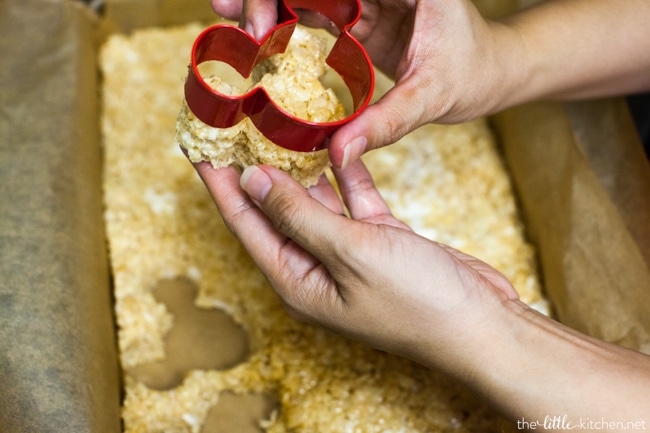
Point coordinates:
[[442, 56]]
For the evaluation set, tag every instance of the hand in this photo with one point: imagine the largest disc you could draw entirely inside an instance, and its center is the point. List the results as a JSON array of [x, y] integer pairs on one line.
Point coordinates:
[[451, 65], [432, 49], [367, 276]]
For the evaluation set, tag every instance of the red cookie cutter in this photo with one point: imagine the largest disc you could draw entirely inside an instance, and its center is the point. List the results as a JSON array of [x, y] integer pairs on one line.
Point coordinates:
[[234, 46]]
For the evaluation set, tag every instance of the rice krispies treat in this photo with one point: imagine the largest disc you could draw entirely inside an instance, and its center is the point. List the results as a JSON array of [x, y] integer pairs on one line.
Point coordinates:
[[292, 79], [161, 224]]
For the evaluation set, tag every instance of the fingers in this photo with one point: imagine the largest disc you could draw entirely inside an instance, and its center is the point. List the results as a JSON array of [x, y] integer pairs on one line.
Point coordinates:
[[288, 267], [398, 112], [326, 195], [361, 197], [247, 222], [292, 210], [259, 17], [229, 9], [235, 206], [267, 211]]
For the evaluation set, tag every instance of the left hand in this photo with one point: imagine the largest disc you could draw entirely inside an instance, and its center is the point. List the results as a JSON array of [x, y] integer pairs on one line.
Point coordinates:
[[368, 276]]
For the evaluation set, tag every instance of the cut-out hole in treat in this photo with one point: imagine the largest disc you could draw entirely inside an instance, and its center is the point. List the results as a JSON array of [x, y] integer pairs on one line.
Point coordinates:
[[332, 79], [234, 84], [200, 339], [240, 413], [238, 84]]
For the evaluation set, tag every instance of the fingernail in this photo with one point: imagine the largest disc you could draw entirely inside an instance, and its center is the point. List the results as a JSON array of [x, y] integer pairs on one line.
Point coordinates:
[[353, 150], [254, 31], [248, 28], [259, 35], [255, 182]]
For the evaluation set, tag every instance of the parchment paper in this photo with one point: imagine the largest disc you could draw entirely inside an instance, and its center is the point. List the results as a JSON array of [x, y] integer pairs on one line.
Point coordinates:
[[583, 184], [58, 364]]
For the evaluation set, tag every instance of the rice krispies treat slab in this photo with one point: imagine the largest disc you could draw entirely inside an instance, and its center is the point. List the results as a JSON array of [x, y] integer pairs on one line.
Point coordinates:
[[162, 224]]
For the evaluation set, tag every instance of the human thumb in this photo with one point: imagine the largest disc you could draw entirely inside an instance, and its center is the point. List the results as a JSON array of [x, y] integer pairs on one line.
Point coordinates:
[[259, 17], [292, 210], [398, 112]]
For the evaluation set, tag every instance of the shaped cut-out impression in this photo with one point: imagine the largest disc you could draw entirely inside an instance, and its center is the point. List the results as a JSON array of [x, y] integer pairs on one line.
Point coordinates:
[[199, 339], [240, 413]]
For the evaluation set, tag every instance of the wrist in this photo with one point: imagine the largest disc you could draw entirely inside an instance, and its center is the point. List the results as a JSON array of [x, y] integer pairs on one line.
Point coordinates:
[[462, 342], [509, 83], [533, 367]]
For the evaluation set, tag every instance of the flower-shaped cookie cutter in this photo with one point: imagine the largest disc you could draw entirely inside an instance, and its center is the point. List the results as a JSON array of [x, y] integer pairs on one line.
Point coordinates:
[[232, 45]]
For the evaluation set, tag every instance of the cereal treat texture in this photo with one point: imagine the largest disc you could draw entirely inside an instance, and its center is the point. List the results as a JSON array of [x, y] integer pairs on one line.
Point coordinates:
[[448, 182], [292, 79]]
